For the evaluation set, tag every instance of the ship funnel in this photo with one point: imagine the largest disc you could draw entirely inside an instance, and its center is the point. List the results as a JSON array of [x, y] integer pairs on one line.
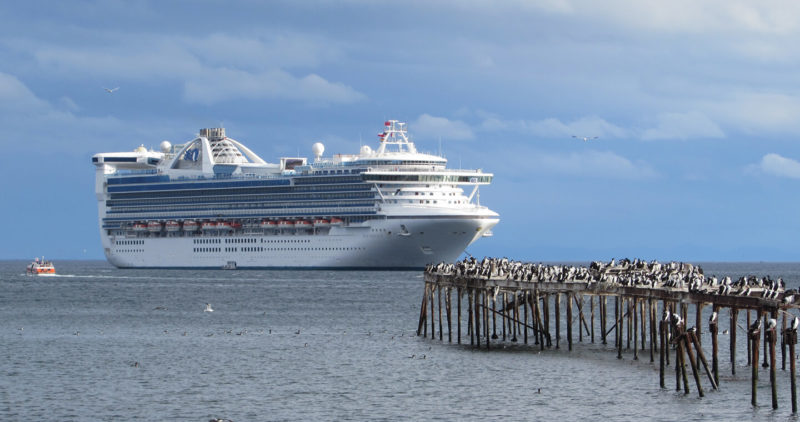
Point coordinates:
[[213, 134]]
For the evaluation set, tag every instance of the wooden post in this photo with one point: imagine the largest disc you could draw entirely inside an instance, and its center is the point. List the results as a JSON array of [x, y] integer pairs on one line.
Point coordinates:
[[470, 319], [754, 336], [525, 309], [642, 323], [713, 328], [666, 305], [557, 317], [616, 324], [514, 318], [635, 328], [580, 315], [681, 358], [486, 335], [591, 309], [653, 335], [701, 357], [628, 302], [458, 320], [662, 332], [448, 304], [477, 313], [692, 361], [783, 344], [791, 338], [734, 321], [505, 313], [569, 320], [433, 310], [494, 317], [439, 299], [749, 342], [603, 300], [698, 318], [764, 324], [772, 337], [422, 323]]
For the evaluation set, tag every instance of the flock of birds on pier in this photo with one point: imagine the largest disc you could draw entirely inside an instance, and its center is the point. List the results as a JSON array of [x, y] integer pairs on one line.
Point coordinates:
[[626, 272]]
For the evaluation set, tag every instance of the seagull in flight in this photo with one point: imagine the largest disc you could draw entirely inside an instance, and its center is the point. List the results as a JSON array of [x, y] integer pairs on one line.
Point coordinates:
[[111, 90], [585, 138]]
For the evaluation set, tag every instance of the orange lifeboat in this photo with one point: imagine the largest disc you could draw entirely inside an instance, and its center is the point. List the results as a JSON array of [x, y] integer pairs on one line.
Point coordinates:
[[236, 225], [302, 224], [321, 223], [190, 225], [224, 225], [40, 267], [286, 224], [209, 225], [336, 221], [140, 227], [154, 226], [173, 226]]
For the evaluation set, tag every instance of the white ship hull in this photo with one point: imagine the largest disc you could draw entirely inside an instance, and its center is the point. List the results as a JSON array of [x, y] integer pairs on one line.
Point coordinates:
[[381, 244]]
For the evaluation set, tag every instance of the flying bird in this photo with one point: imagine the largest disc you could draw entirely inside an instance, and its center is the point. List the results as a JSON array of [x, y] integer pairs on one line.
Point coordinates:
[[585, 138], [111, 90]]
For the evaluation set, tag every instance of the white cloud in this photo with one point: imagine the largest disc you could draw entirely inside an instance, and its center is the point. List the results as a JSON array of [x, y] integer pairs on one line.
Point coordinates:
[[428, 126], [216, 68], [32, 123], [16, 97], [757, 112], [683, 126], [777, 165], [215, 85], [553, 127], [604, 164]]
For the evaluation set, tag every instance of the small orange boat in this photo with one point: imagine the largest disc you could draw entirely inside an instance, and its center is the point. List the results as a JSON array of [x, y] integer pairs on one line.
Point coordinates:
[[40, 267]]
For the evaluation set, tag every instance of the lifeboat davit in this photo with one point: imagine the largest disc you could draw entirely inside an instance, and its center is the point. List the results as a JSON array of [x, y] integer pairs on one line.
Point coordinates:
[[190, 225], [302, 224], [140, 227], [154, 226], [209, 225], [286, 224], [173, 226], [321, 223], [336, 221]]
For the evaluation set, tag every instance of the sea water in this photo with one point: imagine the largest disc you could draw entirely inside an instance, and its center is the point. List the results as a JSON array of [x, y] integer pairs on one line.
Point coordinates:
[[100, 343]]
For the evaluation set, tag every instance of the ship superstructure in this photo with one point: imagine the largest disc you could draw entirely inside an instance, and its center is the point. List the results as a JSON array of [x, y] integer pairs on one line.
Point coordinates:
[[212, 203]]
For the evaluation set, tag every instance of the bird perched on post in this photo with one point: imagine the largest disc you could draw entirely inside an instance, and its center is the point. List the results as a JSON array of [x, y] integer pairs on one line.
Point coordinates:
[[713, 318]]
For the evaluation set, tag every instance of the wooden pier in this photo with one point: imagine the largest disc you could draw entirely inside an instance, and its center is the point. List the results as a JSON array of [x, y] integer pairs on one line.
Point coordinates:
[[511, 301]]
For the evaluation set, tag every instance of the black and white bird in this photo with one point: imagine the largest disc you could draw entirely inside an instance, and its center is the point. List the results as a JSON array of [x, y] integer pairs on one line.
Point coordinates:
[[772, 323], [756, 325], [713, 317], [795, 323]]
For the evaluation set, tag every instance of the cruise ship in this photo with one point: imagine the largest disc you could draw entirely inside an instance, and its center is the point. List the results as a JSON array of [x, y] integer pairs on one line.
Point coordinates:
[[213, 203]]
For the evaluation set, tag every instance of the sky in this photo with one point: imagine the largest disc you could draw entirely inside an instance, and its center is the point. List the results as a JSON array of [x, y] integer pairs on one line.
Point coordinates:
[[695, 106]]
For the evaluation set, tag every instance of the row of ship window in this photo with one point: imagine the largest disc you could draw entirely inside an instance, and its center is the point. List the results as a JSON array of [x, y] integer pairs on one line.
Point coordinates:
[[261, 240], [240, 198], [129, 250], [289, 205], [129, 242], [265, 249], [234, 190]]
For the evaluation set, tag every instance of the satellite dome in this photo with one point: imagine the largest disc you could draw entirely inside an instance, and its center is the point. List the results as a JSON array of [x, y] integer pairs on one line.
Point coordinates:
[[318, 149], [140, 148], [366, 150], [165, 146]]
